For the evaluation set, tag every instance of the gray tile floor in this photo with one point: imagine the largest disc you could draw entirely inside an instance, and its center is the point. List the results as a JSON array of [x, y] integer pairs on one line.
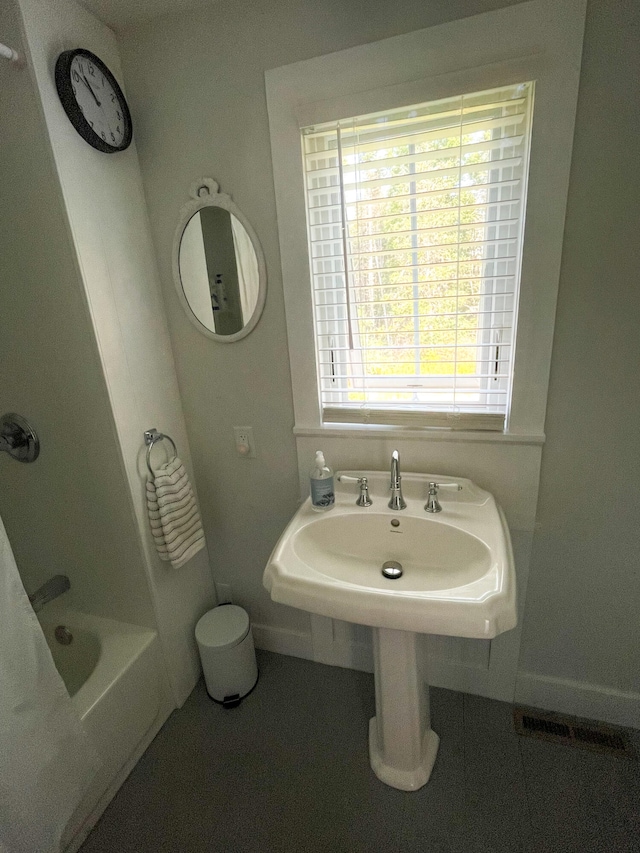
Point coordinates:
[[287, 772]]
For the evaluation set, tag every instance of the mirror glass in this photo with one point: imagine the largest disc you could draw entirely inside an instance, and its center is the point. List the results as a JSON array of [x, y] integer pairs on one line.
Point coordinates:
[[219, 271]]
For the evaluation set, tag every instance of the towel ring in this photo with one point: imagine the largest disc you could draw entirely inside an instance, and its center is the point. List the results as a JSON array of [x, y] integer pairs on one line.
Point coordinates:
[[151, 437]]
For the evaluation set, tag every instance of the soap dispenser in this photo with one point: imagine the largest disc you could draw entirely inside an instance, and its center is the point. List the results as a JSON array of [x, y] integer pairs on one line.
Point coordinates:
[[322, 489]]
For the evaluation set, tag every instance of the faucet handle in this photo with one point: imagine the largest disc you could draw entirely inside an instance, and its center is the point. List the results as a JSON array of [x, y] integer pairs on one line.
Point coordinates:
[[363, 498], [433, 504]]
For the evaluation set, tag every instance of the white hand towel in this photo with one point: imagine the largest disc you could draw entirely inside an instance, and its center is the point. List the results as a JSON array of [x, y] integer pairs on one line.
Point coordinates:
[[173, 514]]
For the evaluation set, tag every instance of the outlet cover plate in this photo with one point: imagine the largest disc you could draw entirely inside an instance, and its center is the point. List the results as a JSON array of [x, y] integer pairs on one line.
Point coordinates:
[[245, 442]]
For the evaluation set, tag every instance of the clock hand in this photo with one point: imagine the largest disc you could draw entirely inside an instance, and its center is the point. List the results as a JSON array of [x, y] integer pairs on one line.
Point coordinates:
[[88, 85]]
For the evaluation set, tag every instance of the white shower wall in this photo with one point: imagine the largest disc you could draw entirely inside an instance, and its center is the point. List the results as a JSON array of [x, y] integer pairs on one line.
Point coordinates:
[[68, 513], [105, 207]]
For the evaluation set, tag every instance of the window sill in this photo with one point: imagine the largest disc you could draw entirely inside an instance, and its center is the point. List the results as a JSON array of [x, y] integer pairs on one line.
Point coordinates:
[[418, 434]]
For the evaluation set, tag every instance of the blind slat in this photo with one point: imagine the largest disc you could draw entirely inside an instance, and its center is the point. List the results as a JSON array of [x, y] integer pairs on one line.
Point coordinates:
[[405, 382], [381, 253], [359, 183], [410, 417], [402, 134], [366, 184], [330, 312], [395, 160], [426, 229], [432, 264], [320, 291], [419, 194]]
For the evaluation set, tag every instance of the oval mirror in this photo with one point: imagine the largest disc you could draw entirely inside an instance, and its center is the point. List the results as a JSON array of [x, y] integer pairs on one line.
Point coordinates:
[[218, 265]]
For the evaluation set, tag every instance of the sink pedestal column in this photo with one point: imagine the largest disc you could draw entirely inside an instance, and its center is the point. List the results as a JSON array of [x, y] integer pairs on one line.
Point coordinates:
[[402, 745]]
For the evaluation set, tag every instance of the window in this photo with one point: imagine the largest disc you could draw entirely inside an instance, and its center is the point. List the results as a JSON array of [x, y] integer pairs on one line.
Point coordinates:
[[415, 226], [494, 350]]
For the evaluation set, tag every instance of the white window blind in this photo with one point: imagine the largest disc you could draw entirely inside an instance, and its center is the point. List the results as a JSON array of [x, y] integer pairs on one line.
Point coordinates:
[[415, 220]]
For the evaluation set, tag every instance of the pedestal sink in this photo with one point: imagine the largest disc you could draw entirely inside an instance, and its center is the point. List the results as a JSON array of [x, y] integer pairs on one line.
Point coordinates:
[[456, 578]]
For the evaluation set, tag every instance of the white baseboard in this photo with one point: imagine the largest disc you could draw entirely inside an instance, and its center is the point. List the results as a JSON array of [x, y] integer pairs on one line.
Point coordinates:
[[284, 641], [578, 698]]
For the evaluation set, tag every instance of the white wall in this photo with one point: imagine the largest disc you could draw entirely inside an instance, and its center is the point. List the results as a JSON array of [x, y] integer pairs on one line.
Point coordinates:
[[201, 111], [582, 630], [69, 512], [197, 89], [105, 205], [208, 118]]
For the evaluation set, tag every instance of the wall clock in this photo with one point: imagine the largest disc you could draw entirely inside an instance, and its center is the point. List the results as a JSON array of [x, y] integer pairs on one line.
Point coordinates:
[[93, 101]]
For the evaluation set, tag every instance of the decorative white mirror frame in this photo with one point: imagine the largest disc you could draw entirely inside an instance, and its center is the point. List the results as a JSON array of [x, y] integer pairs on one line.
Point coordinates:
[[205, 193]]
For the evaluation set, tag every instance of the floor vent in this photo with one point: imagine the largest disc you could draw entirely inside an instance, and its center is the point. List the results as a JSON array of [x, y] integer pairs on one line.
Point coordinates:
[[572, 732]]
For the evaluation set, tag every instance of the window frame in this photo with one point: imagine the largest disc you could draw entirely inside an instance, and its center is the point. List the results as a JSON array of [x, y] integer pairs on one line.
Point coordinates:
[[324, 237], [539, 40]]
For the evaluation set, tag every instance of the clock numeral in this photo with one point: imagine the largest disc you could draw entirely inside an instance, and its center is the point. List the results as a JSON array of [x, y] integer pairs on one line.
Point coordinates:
[[103, 81], [76, 76], [113, 97], [118, 129], [103, 136], [119, 117], [91, 123], [113, 137], [92, 70]]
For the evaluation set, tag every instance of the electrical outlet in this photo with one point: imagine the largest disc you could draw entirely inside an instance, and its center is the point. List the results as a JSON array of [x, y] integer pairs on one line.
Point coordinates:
[[245, 443]]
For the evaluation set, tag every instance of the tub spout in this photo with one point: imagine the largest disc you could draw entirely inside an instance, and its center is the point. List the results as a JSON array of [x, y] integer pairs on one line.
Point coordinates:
[[53, 588]]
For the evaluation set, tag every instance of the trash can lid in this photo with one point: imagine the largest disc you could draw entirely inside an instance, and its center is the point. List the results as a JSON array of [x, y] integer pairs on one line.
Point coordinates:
[[223, 627]]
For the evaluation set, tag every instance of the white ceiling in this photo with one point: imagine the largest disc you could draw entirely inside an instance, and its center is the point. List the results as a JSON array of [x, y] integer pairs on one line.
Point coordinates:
[[119, 14]]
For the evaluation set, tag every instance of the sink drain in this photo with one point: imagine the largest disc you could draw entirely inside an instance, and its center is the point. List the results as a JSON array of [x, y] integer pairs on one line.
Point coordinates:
[[392, 570], [63, 635]]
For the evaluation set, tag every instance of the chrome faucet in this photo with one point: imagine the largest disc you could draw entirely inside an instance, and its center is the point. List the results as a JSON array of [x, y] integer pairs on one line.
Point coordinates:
[[433, 504], [397, 501], [364, 498], [53, 588]]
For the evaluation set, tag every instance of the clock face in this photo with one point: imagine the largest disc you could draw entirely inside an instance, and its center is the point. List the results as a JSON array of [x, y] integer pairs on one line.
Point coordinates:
[[93, 101]]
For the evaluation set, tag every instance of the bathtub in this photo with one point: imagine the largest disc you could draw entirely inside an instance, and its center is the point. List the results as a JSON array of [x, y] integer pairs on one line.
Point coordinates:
[[115, 676]]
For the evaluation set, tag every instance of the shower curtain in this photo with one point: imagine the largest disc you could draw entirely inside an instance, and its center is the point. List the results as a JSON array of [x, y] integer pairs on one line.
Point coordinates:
[[46, 759], [247, 265]]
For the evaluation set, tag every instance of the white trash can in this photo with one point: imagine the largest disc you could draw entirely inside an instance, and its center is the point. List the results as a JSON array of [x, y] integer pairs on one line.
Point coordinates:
[[226, 650]]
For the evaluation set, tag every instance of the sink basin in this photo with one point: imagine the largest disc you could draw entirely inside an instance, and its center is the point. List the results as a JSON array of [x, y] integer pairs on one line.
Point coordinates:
[[452, 573], [457, 576], [434, 556]]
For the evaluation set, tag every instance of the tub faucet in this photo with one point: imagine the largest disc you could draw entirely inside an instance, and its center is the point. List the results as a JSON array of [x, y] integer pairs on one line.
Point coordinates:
[[54, 587], [397, 501]]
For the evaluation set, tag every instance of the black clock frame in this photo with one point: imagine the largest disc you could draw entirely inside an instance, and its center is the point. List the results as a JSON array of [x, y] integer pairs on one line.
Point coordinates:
[[64, 85]]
